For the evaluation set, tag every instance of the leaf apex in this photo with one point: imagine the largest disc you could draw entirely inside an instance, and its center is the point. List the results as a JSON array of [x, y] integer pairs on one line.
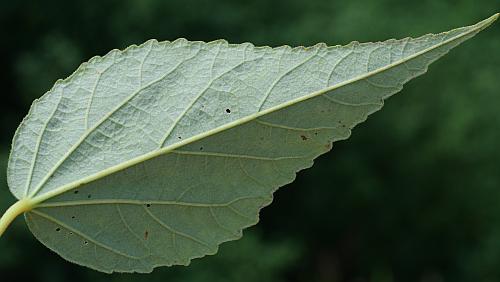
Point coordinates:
[[487, 22]]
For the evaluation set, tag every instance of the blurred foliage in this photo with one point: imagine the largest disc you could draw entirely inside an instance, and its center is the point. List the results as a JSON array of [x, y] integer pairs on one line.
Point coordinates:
[[414, 195]]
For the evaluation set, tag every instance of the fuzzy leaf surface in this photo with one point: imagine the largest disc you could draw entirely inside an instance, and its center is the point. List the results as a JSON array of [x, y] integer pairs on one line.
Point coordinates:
[[157, 154]]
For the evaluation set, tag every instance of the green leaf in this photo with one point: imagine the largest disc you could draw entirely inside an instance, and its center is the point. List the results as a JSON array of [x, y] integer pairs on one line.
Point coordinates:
[[157, 154]]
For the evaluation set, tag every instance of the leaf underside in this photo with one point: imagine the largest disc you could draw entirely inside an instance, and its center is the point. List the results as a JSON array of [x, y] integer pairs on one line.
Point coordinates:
[[157, 154]]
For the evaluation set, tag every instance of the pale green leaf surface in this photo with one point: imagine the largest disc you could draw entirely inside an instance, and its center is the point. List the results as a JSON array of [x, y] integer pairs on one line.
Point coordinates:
[[157, 154]]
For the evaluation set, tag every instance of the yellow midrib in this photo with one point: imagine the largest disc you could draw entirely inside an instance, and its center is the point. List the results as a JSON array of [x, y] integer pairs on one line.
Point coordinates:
[[165, 150]]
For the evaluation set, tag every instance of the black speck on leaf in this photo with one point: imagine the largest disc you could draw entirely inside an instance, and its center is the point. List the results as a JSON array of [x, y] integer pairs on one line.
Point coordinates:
[[58, 229], [148, 205], [76, 192], [228, 111], [303, 137]]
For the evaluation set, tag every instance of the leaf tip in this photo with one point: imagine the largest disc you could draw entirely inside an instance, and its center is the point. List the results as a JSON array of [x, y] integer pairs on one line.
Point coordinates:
[[487, 22], [493, 18]]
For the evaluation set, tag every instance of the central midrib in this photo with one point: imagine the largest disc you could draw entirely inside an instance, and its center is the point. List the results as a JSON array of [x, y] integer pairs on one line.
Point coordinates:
[[165, 150]]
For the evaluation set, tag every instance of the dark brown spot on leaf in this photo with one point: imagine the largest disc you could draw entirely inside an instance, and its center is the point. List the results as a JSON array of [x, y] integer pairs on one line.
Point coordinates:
[[146, 234], [328, 146], [304, 137]]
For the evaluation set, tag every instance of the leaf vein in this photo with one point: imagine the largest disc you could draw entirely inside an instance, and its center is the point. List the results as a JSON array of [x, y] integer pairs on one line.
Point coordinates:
[[139, 202], [273, 85], [174, 231], [82, 234], [238, 156], [38, 142]]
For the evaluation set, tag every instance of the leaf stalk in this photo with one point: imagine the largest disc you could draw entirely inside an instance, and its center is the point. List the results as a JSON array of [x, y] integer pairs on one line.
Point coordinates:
[[13, 211]]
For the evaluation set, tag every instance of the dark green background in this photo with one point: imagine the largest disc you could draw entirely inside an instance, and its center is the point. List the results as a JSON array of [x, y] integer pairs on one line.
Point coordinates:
[[413, 195]]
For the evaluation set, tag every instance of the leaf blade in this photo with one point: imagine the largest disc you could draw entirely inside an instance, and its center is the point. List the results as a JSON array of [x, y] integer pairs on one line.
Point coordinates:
[[223, 142]]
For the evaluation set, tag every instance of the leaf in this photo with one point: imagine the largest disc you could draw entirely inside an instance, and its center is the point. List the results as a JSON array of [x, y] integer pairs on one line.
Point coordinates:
[[157, 154]]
